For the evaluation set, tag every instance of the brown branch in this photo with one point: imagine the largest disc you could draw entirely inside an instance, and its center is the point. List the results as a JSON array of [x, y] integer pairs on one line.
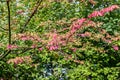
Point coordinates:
[[9, 27], [32, 14]]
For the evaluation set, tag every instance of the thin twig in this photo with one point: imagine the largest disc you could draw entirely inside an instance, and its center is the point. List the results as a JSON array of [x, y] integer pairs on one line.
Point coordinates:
[[2, 56], [32, 14], [4, 29]]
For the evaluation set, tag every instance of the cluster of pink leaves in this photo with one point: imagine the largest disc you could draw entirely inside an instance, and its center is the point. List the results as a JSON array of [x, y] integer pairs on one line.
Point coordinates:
[[103, 11], [12, 46], [115, 47], [77, 25], [25, 37], [19, 60], [57, 39], [53, 43]]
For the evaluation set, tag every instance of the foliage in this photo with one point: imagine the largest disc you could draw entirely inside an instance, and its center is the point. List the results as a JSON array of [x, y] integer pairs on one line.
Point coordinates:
[[77, 40]]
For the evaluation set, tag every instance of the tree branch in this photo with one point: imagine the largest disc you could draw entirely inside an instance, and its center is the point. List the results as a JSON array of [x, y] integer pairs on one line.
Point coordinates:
[[9, 27], [32, 14]]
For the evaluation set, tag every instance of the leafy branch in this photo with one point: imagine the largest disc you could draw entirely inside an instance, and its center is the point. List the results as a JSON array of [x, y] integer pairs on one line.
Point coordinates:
[[22, 29]]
